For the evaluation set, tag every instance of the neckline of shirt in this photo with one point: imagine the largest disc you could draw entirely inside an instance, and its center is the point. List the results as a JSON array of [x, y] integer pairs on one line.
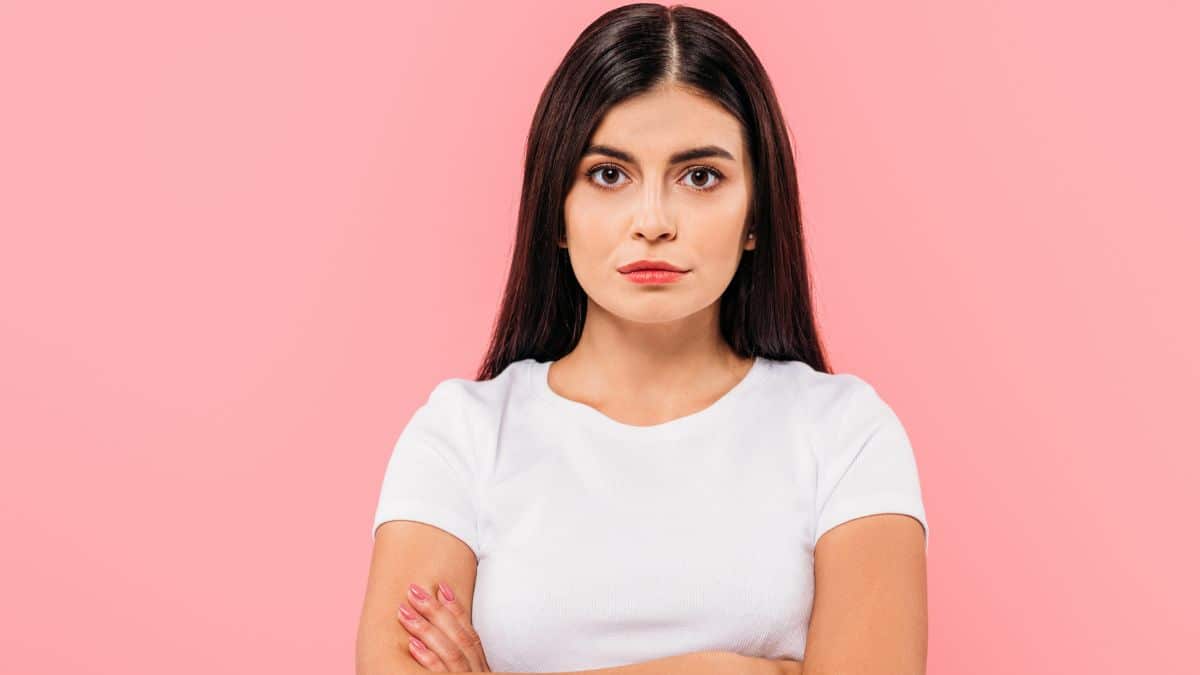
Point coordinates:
[[540, 370]]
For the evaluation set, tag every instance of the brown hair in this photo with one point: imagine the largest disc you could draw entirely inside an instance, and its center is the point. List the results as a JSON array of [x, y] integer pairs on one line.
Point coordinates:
[[767, 308]]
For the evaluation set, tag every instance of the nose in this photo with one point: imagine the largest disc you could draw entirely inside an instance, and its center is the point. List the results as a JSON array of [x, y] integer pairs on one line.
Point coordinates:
[[652, 223]]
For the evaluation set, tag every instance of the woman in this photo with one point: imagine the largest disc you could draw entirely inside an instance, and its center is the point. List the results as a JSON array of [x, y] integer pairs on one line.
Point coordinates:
[[654, 471]]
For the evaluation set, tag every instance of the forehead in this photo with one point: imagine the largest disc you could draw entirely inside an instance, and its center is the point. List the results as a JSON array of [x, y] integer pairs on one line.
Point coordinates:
[[655, 124]]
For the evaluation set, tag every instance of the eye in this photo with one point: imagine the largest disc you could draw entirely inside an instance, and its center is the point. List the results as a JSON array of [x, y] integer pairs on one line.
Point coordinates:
[[701, 170], [608, 170], [605, 170]]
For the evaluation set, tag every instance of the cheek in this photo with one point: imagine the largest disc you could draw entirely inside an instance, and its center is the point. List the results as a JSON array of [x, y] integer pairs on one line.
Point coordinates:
[[590, 238], [718, 244], [732, 211], [579, 213], [719, 228]]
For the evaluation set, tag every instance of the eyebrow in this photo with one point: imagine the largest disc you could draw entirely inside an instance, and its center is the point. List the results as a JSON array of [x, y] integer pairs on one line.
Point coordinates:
[[681, 156]]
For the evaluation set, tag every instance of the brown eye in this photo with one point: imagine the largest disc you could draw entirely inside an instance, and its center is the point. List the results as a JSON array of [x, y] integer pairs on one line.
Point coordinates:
[[606, 171], [706, 183], [708, 177]]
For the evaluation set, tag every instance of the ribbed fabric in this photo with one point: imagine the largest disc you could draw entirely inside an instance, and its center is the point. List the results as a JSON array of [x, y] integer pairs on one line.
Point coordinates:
[[603, 544]]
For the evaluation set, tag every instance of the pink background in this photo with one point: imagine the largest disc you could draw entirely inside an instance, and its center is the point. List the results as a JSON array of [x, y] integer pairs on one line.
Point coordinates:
[[243, 240]]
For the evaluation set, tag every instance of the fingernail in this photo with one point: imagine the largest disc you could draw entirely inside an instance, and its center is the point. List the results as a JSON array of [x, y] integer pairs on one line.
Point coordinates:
[[418, 592], [418, 644], [445, 592], [407, 614]]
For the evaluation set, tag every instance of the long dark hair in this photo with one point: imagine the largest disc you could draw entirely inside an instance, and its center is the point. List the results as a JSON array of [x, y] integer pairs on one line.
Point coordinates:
[[767, 308]]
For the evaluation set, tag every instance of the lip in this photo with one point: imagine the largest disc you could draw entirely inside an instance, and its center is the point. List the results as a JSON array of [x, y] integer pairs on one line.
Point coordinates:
[[639, 265], [654, 276]]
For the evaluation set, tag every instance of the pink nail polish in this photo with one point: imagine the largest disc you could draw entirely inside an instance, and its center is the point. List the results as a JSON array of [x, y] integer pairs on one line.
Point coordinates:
[[445, 592], [418, 592], [407, 613]]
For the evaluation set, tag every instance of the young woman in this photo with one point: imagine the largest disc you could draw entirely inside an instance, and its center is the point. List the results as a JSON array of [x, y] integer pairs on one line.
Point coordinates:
[[654, 470]]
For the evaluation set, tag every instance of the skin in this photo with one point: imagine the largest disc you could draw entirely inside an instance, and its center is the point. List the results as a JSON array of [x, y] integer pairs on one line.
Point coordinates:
[[648, 353], [652, 353]]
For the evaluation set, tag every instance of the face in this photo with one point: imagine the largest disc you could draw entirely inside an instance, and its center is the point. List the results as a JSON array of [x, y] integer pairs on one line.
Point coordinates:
[[634, 199]]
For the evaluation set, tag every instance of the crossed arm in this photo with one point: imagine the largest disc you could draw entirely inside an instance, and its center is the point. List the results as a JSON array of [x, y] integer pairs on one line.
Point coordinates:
[[869, 610]]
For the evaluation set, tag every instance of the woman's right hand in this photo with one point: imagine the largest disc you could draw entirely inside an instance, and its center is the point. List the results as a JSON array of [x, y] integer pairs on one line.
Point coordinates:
[[451, 644]]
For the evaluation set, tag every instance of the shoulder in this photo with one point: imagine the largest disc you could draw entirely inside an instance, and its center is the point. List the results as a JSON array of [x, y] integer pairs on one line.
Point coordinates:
[[483, 393], [478, 403], [817, 395], [832, 412], [460, 418]]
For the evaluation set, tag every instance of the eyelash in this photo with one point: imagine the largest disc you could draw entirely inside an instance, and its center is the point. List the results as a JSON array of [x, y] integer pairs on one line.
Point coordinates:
[[720, 176]]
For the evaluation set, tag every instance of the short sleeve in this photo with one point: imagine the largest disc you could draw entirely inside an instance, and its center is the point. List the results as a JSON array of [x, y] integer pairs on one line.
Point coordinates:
[[867, 465], [430, 476]]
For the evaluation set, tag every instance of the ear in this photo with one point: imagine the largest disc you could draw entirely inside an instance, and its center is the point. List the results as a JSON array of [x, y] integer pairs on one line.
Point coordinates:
[[751, 241]]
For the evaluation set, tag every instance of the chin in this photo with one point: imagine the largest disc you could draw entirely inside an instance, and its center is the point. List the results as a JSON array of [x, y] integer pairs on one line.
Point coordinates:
[[655, 310]]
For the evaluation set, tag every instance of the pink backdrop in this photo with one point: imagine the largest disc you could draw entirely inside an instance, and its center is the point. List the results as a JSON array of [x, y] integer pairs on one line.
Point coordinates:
[[243, 240]]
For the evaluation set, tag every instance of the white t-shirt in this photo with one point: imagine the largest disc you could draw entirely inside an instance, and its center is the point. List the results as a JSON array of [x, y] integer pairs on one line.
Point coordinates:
[[602, 544]]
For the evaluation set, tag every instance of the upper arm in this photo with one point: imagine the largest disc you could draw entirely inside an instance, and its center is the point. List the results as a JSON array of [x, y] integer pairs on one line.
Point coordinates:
[[405, 552], [870, 610], [869, 614], [425, 527]]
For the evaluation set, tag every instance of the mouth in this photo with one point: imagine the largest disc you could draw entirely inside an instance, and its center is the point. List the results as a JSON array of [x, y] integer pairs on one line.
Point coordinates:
[[649, 265], [652, 275]]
